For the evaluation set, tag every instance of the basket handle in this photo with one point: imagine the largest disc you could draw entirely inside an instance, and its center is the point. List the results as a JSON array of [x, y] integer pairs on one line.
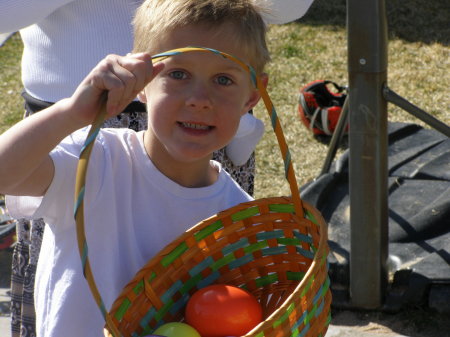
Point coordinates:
[[87, 149]]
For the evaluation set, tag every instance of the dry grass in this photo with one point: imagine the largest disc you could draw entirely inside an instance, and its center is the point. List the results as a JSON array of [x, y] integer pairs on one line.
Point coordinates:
[[315, 47], [11, 106]]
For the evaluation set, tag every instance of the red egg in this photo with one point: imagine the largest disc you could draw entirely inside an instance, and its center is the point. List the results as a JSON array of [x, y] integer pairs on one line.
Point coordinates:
[[223, 310]]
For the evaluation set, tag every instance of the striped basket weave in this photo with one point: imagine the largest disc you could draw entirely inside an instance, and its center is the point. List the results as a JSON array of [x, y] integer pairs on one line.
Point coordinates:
[[276, 248]]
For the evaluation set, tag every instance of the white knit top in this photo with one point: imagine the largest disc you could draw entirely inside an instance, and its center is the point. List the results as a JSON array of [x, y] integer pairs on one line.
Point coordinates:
[[63, 40]]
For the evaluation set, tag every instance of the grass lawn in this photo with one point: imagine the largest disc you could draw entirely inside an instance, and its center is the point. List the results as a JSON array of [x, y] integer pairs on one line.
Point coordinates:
[[11, 106]]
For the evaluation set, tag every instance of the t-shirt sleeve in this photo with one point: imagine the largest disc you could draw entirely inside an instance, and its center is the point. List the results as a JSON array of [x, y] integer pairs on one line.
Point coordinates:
[[59, 198]]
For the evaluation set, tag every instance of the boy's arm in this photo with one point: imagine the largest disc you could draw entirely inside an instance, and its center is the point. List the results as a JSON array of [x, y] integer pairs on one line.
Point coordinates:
[[27, 168]]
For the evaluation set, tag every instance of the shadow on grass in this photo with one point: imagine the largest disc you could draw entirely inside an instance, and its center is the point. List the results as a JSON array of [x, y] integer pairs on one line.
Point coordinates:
[[409, 20]]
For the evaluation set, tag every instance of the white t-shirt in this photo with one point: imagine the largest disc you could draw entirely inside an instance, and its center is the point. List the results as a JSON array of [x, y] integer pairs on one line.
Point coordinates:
[[131, 211]]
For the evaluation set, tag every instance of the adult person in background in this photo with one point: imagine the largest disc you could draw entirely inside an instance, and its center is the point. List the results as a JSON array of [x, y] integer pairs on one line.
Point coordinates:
[[63, 40]]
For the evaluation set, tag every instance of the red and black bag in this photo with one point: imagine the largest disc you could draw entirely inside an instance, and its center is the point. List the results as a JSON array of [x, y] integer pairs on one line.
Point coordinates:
[[319, 107]]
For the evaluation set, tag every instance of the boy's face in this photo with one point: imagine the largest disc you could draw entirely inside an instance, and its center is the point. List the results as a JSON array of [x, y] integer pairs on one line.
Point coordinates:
[[195, 103]]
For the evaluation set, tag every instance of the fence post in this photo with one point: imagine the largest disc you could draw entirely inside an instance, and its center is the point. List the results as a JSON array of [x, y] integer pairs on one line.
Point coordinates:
[[367, 68]]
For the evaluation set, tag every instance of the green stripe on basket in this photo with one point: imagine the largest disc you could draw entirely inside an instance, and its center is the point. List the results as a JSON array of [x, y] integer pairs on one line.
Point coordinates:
[[311, 280], [255, 247], [139, 287], [190, 284], [152, 276], [310, 315], [282, 208], [244, 214], [121, 311], [295, 276], [285, 316], [265, 280], [208, 230], [289, 241], [174, 254], [222, 262], [164, 309], [311, 217]]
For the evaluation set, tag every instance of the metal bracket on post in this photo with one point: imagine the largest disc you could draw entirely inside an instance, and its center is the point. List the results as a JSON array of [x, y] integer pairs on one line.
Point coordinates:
[[432, 121], [367, 67]]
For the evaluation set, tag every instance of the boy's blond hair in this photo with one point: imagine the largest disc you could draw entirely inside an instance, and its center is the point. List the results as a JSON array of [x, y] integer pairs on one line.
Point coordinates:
[[155, 18]]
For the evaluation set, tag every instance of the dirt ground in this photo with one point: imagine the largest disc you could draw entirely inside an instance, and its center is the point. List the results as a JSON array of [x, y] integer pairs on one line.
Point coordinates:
[[412, 322]]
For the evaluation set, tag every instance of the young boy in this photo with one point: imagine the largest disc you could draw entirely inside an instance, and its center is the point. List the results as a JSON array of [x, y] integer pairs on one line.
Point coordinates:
[[143, 189]]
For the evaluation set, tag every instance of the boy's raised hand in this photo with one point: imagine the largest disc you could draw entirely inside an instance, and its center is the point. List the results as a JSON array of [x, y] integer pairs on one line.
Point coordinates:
[[119, 78], [122, 77]]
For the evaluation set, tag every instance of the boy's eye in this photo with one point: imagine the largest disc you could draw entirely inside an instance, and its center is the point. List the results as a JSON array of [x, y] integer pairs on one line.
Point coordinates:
[[178, 75], [224, 80]]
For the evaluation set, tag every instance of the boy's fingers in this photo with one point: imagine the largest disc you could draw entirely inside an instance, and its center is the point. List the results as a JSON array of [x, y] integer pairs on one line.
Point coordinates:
[[141, 56], [135, 72], [121, 83], [140, 70], [125, 77], [114, 86], [157, 67], [141, 66]]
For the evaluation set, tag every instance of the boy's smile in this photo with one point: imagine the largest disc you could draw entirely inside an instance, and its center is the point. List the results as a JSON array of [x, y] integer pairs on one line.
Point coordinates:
[[195, 128], [195, 103]]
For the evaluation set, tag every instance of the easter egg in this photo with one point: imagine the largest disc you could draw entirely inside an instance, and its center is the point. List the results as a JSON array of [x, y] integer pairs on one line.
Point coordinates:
[[223, 310], [176, 329]]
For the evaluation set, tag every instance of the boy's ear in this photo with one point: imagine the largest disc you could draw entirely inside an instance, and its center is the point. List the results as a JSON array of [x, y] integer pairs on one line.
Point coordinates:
[[256, 96], [142, 97]]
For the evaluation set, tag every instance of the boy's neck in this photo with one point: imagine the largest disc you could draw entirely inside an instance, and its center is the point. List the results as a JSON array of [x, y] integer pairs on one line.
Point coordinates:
[[198, 173]]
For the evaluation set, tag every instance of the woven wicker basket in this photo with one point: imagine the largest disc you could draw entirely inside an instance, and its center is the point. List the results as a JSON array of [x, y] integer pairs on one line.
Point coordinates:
[[276, 248]]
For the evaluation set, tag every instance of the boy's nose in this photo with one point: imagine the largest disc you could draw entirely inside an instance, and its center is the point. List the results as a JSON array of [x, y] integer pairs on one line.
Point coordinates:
[[199, 97]]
